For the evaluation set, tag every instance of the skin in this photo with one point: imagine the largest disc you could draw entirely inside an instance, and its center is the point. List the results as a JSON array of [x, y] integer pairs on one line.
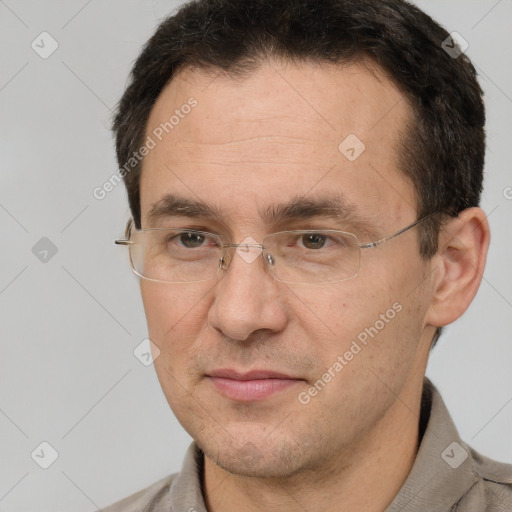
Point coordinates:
[[260, 140]]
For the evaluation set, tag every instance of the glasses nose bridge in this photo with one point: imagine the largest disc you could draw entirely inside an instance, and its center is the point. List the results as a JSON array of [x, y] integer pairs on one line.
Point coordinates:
[[226, 257], [242, 244]]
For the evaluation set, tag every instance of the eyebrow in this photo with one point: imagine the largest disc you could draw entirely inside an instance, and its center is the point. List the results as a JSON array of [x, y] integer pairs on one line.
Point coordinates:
[[332, 206], [172, 205]]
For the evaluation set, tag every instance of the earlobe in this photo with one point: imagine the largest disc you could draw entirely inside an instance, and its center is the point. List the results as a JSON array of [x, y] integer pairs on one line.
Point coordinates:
[[463, 245]]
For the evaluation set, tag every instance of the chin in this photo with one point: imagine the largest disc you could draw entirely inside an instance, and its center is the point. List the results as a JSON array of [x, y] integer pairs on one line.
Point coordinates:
[[259, 459]]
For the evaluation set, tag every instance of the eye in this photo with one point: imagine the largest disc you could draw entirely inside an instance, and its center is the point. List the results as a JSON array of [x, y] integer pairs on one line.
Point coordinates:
[[313, 240], [191, 240]]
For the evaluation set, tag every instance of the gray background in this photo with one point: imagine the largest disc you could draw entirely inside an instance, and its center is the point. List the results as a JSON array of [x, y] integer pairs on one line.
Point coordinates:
[[69, 325]]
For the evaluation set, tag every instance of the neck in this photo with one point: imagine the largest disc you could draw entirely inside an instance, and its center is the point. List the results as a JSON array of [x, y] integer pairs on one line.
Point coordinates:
[[365, 477]]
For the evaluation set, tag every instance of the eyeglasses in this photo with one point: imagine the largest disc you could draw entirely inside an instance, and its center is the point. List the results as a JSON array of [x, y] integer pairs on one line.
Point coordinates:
[[322, 256]]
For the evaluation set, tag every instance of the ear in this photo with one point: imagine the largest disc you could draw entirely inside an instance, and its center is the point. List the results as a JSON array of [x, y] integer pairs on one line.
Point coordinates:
[[460, 263]]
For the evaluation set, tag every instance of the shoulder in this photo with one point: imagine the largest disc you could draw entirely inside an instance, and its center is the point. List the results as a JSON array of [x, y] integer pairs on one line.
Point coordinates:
[[147, 499], [175, 492], [493, 482]]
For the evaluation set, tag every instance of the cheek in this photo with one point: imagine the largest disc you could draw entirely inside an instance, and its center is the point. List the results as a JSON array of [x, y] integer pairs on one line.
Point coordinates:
[[174, 315], [368, 320], [175, 319], [341, 312], [371, 351]]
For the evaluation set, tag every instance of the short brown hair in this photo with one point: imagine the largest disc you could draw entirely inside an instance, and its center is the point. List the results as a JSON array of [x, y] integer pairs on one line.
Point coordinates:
[[442, 152]]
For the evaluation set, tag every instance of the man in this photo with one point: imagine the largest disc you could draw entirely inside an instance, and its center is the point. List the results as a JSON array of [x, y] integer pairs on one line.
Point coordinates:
[[304, 180]]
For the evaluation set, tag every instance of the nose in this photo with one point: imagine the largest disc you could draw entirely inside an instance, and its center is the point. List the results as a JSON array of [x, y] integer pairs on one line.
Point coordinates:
[[247, 298]]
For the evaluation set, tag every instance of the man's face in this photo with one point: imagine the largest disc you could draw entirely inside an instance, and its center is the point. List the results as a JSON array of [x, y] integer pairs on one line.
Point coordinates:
[[249, 145]]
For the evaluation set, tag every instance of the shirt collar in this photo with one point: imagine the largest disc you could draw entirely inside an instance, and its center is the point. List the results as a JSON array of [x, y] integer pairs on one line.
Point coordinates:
[[186, 489], [442, 472]]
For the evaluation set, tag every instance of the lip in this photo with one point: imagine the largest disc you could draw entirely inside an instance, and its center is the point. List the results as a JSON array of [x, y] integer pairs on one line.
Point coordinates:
[[228, 373], [252, 386]]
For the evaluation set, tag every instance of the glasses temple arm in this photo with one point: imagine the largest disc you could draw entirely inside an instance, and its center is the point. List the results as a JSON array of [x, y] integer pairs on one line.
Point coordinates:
[[399, 232]]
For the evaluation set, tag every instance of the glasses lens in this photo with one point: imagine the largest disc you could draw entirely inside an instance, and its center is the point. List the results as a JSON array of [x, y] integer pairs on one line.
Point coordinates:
[[313, 256], [175, 256], [301, 257]]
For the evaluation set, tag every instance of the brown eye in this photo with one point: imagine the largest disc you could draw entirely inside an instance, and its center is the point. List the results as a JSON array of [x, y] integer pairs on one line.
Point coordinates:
[[191, 240], [314, 240]]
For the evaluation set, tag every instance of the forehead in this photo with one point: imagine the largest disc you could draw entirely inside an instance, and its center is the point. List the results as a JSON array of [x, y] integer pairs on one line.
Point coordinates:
[[282, 131]]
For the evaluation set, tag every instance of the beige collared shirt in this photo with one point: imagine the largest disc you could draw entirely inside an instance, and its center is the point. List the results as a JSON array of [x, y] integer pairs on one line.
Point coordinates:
[[447, 475]]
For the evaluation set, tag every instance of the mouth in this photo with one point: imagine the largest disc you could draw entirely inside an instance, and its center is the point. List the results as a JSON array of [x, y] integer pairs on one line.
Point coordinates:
[[252, 386]]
